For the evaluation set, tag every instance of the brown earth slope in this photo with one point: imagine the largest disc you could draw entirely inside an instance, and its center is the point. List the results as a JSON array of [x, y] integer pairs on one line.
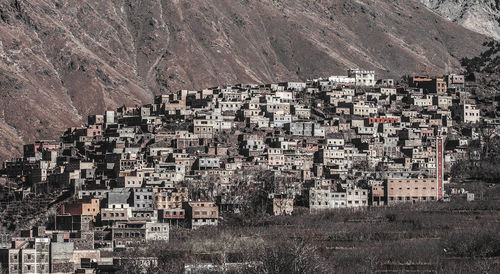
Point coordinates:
[[61, 60]]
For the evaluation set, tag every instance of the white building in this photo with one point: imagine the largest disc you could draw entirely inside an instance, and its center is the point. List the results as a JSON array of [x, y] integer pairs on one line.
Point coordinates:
[[320, 199], [342, 80], [364, 78], [357, 197], [470, 113]]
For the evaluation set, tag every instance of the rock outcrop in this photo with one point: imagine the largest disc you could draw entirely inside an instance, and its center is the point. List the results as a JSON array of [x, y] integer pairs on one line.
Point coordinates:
[[481, 16]]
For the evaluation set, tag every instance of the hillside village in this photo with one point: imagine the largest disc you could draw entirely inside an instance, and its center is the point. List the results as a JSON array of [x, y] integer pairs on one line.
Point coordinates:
[[192, 158]]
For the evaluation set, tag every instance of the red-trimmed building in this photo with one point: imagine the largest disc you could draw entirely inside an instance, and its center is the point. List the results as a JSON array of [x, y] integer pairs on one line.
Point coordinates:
[[383, 120]]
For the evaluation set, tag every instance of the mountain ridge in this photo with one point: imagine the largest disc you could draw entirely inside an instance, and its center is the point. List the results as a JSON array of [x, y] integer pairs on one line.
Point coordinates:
[[482, 16]]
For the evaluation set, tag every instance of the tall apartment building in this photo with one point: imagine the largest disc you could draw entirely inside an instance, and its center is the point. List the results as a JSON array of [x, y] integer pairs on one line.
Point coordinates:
[[26, 255]]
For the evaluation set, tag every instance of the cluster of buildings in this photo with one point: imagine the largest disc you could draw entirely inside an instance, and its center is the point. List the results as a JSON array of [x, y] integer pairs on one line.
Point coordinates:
[[340, 142]]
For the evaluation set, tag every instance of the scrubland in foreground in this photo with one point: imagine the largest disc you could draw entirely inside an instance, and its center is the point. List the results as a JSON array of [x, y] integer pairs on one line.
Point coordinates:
[[454, 237]]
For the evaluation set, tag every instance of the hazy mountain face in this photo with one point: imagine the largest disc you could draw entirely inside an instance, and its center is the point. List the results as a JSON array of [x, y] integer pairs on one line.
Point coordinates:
[[482, 16], [62, 60]]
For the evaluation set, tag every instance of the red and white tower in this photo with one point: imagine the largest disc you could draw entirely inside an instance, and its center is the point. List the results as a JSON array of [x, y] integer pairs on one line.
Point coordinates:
[[439, 167]]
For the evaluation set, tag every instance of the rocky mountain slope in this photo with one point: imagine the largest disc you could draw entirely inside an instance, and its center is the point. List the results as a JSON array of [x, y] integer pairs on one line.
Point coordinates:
[[482, 16], [61, 60]]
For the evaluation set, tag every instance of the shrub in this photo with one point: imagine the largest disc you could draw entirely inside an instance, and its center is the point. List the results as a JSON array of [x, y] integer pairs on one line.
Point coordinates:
[[482, 243]]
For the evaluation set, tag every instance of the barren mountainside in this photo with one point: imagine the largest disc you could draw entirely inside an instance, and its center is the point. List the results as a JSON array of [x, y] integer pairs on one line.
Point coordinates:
[[482, 16], [62, 60]]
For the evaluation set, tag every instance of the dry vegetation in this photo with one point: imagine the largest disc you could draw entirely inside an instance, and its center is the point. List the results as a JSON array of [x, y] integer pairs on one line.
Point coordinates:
[[455, 237]]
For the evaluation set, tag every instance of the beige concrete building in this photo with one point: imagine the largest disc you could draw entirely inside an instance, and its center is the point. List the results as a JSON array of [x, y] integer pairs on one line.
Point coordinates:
[[201, 213], [204, 128], [275, 157], [411, 190], [170, 199], [282, 205]]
